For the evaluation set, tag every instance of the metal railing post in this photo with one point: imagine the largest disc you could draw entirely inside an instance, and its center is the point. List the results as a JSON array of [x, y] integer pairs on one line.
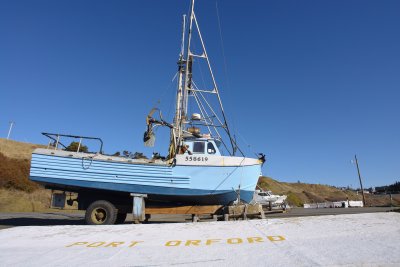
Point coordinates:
[[79, 146], [58, 140]]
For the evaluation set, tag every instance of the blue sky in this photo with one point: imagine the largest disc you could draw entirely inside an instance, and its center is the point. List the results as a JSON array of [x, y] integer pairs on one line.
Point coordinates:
[[309, 83]]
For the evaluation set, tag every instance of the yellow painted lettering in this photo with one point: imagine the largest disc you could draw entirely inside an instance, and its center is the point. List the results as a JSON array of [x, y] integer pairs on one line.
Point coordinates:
[[114, 244], [77, 244], [210, 241], [274, 238], [173, 243], [96, 244], [134, 243], [192, 242], [234, 241], [255, 239]]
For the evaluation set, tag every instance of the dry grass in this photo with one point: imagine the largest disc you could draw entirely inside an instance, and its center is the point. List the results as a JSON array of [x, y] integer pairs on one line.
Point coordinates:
[[17, 150], [38, 201], [14, 174], [17, 192], [20, 201], [15, 160]]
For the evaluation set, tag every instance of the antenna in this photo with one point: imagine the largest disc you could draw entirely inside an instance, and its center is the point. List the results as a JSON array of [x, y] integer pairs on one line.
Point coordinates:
[[10, 129], [359, 177]]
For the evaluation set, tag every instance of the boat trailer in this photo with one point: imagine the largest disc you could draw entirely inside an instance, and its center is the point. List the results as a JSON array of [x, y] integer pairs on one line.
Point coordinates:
[[198, 213]]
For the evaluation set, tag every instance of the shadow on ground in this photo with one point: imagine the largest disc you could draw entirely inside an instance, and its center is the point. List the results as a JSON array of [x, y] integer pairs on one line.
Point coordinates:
[[39, 222]]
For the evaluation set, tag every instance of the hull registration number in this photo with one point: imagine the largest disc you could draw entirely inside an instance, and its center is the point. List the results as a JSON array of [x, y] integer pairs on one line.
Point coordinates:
[[194, 158]]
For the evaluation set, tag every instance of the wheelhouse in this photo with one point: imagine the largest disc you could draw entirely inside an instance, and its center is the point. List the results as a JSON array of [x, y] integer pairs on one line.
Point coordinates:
[[201, 146]]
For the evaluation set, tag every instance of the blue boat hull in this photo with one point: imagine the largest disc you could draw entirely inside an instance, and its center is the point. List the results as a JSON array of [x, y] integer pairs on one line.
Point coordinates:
[[177, 184]]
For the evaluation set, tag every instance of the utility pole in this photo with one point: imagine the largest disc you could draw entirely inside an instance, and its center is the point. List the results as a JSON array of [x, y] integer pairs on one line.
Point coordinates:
[[359, 177], [9, 130]]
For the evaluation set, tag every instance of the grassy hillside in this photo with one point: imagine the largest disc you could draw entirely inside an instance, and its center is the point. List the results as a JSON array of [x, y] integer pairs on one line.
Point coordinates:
[[18, 193], [14, 165], [300, 193], [17, 150], [14, 174]]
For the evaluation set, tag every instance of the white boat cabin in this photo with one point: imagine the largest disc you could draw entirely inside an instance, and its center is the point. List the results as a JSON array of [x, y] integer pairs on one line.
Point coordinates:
[[201, 146]]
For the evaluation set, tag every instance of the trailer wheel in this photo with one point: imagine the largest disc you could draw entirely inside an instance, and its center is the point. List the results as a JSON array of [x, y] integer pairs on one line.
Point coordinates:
[[101, 212], [121, 217]]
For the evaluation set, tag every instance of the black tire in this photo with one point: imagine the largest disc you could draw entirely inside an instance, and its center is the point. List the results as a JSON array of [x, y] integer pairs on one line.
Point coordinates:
[[121, 217], [101, 212]]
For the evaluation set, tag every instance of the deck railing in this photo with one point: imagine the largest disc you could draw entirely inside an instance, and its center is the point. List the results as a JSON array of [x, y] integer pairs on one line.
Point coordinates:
[[55, 140]]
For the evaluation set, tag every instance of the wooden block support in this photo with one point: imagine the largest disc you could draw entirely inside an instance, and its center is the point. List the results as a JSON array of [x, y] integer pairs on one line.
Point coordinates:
[[248, 209], [212, 209], [244, 212]]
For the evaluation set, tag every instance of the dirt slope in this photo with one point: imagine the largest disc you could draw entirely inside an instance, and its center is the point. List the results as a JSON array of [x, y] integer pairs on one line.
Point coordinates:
[[17, 150]]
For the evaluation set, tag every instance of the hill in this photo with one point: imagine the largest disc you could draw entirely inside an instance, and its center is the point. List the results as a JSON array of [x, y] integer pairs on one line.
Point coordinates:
[[300, 193], [17, 150], [18, 193], [14, 165]]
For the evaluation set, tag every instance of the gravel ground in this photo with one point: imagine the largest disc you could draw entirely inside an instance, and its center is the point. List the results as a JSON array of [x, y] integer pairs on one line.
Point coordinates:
[[16, 219], [368, 239]]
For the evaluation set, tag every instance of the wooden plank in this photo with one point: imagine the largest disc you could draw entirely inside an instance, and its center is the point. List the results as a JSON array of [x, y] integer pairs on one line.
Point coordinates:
[[184, 210], [241, 209]]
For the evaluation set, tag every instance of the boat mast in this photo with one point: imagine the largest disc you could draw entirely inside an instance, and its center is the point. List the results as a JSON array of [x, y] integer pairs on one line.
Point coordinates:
[[184, 82], [186, 88], [189, 62]]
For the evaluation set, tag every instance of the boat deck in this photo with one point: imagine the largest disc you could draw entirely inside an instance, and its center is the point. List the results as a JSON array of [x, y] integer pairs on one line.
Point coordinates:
[[97, 156]]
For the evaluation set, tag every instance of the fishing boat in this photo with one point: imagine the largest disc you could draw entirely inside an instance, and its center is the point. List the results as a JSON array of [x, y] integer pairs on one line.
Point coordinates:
[[267, 197], [204, 164]]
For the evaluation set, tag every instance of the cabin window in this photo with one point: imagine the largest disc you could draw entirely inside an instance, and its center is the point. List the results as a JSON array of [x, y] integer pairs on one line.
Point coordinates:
[[210, 148], [198, 147]]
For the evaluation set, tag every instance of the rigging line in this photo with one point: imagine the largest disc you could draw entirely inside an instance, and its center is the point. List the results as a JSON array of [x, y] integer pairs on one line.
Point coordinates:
[[215, 84], [200, 105], [230, 174], [208, 119], [248, 145], [222, 47], [193, 17], [170, 106], [212, 110], [209, 122], [202, 113], [237, 146], [225, 124], [226, 71], [166, 90], [199, 67], [216, 116], [208, 116], [225, 67]]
